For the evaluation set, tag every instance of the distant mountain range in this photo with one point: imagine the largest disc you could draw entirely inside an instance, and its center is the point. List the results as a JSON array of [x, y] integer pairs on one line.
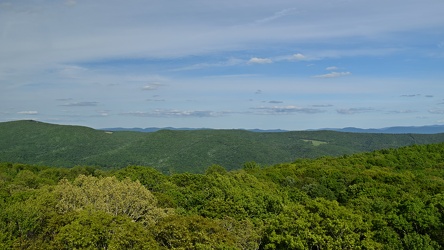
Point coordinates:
[[431, 129], [155, 129]]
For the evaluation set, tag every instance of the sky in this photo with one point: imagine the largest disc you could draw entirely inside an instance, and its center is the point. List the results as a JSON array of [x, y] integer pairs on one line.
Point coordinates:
[[281, 64]]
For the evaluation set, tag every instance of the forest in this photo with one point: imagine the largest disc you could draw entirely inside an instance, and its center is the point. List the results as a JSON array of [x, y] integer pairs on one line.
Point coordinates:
[[170, 152], [385, 199]]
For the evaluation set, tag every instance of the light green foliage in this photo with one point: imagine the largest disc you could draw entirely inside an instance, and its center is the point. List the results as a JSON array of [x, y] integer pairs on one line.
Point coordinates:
[[109, 195]]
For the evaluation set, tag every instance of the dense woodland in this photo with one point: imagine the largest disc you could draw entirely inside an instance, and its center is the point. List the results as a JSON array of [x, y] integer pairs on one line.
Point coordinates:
[[386, 199], [170, 152]]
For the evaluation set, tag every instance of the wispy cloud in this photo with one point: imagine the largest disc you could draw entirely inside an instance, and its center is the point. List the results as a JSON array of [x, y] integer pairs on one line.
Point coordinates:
[[352, 111], [411, 95], [225, 63], [152, 86], [436, 111], [322, 105], [282, 110], [405, 111], [80, 104], [197, 66], [29, 112], [254, 60], [103, 113], [333, 75], [72, 71], [64, 99], [277, 15], [173, 113], [155, 100]]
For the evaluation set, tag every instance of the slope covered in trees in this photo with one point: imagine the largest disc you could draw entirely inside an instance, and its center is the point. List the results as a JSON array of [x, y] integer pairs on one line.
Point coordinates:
[[387, 199], [182, 151]]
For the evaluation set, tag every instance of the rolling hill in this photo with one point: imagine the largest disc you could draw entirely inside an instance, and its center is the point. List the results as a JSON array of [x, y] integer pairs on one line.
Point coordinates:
[[173, 151]]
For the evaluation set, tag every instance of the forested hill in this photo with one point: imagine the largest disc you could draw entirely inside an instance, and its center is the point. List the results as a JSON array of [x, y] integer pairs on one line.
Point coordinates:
[[182, 151], [387, 199]]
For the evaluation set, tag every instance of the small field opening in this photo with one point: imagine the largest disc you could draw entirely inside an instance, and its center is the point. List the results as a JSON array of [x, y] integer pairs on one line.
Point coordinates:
[[315, 142]]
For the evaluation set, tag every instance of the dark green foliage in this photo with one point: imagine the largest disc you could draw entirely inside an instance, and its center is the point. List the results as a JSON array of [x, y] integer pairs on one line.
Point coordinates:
[[172, 152], [387, 199]]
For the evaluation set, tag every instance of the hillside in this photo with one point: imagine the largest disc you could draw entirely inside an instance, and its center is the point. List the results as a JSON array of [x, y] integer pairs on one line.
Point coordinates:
[[182, 151]]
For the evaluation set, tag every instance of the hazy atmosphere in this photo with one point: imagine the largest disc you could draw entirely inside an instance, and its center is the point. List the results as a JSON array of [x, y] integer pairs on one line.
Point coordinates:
[[223, 64]]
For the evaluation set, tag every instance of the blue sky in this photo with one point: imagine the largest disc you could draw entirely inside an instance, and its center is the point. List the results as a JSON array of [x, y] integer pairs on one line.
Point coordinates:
[[283, 64]]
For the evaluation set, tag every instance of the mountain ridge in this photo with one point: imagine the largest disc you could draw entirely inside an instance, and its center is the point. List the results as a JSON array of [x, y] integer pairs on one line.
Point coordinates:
[[175, 151], [428, 129]]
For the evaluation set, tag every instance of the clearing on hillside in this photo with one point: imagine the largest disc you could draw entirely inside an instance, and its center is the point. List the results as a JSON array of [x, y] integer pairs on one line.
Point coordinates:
[[315, 142]]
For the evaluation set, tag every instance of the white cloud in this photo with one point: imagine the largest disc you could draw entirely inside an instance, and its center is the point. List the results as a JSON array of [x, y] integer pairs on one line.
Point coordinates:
[[256, 60], [299, 57], [31, 112], [152, 86], [331, 68], [333, 75]]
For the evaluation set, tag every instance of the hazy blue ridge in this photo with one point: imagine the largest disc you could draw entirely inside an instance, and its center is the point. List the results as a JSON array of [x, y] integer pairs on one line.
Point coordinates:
[[430, 129]]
